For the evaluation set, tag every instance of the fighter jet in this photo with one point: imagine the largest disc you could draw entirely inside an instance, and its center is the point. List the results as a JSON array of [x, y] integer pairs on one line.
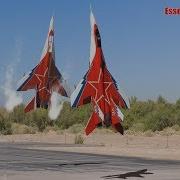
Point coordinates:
[[100, 88], [45, 77]]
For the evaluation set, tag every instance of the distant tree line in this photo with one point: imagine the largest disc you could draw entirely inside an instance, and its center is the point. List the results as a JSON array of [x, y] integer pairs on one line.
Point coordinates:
[[142, 116]]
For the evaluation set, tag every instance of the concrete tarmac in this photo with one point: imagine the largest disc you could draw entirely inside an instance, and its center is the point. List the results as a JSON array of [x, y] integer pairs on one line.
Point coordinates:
[[18, 162]]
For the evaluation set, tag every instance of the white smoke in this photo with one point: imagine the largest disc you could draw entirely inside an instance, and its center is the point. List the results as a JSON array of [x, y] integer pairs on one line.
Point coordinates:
[[56, 106], [12, 99], [57, 100]]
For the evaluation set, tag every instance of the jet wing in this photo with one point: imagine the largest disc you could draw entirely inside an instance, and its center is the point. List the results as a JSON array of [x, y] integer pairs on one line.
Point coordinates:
[[83, 93], [85, 90], [113, 91], [116, 117], [29, 81]]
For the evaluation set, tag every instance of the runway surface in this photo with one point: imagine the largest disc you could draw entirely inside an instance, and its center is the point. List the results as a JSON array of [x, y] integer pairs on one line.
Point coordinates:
[[17, 162]]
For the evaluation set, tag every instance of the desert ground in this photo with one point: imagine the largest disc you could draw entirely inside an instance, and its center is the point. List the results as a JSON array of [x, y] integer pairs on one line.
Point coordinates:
[[156, 146], [55, 156]]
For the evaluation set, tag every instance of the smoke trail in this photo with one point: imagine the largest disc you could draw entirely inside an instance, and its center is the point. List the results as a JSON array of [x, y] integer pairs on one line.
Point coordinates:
[[56, 106], [11, 96]]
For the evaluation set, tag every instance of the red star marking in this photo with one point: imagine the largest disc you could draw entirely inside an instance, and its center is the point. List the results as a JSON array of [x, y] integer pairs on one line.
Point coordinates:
[[42, 81], [101, 88]]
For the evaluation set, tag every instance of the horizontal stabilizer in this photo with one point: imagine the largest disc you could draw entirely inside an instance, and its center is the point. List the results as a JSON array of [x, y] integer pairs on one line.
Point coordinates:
[[119, 128], [116, 118], [31, 105], [29, 81], [92, 123]]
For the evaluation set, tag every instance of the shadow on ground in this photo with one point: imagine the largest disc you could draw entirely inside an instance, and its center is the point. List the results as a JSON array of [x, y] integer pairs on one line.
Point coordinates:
[[138, 173], [80, 163]]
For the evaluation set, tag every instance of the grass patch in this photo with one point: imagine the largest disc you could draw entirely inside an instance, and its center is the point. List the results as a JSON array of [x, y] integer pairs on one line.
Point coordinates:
[[149, 133], [76, 128], [22, 129], [79, 139]]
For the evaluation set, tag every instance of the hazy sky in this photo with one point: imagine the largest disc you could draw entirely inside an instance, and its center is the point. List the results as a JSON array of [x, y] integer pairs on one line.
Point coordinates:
[[141, 44]]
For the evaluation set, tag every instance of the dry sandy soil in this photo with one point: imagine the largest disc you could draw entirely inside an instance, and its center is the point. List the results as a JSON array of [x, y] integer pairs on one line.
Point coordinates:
[[155, 147]]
